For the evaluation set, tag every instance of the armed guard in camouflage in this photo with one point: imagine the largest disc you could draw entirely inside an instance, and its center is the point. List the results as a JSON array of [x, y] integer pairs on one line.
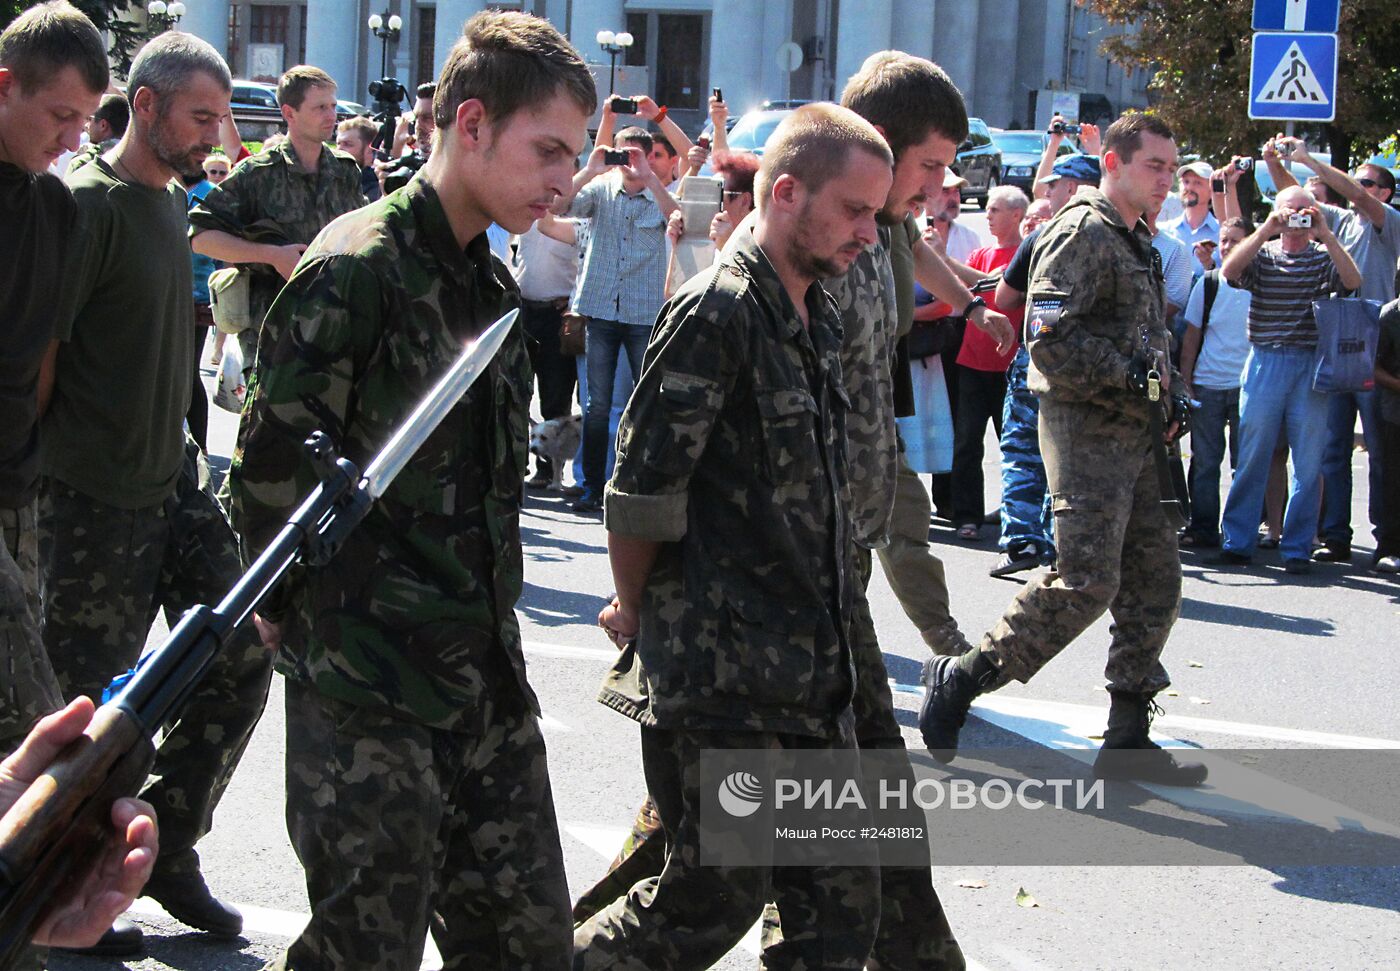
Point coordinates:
[[1096, 330], [417, 779], [275, 202]]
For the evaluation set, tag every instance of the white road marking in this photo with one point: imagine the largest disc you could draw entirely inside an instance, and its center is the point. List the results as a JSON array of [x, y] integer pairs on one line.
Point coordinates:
[[605, 654], [1084, 720], [1072, 717], [551, 724], [1080, 721]]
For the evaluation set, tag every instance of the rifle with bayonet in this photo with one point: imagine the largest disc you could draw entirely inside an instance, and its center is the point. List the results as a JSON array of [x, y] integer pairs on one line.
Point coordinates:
[[49, 837]]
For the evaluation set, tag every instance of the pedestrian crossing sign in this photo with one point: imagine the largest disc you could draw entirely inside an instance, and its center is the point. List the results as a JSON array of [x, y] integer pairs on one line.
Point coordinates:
[[1293, 77]]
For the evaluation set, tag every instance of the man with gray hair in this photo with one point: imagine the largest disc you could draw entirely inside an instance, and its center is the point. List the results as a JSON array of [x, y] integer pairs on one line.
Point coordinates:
[[128, 523]]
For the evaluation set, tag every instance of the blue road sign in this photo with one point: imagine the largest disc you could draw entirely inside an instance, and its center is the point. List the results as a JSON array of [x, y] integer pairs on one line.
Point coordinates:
[[1293, 77], [1319, 16]]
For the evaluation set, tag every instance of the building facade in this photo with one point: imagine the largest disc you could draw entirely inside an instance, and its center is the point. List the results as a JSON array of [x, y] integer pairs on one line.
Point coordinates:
[[999, 52]]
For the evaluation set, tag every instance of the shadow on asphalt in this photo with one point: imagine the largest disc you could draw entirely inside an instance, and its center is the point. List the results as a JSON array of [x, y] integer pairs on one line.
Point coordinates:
[[1234, 616], [549, 607], [1201, 833], [180, 952]]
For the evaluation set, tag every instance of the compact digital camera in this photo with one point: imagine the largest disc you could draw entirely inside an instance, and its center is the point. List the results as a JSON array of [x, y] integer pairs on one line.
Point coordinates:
[[1299, 220]]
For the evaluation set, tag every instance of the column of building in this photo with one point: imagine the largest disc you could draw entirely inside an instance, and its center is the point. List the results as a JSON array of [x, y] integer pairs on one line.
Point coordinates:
[[737, 54], [862, 29], [956, 47], [451, 15], [208, 20], [995, 95], [913, 26], [333, 42]]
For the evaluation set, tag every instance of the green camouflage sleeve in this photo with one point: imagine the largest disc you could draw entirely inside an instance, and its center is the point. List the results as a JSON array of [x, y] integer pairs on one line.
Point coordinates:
[[1064, 292], [228, 207], [327, 318], [686, 374]]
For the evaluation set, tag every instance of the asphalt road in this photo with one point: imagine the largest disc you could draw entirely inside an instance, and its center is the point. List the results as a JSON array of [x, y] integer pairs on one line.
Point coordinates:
[[1259, 660]]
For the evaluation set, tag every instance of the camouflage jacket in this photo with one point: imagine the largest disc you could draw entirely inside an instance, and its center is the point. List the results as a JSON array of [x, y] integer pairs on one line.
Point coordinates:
[[1095, 290], [89, 152], [415, 615], [269, 198], [865, 297], [732, 455]]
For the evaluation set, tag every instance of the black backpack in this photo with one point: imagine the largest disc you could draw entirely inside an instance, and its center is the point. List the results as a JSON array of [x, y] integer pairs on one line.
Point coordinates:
[[1212, 284]]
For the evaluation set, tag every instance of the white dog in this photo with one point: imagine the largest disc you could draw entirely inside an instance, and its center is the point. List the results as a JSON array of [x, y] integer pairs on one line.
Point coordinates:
[[556, 441]]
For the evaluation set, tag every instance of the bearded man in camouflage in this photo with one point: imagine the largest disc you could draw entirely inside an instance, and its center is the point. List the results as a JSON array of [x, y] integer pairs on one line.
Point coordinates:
[[729, 536], [416, 774]]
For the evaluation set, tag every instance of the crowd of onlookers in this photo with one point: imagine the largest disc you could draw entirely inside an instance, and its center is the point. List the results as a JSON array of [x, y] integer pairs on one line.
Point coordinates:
[[649, 206], [619, 247]]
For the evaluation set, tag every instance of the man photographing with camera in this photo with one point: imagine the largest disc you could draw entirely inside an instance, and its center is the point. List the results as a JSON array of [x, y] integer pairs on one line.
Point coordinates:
[[624, 276], [1306, 263]]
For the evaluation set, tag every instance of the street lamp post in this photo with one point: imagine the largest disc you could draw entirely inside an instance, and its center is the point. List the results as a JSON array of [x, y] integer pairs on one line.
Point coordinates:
[[166, 14], [614, 44], [386, 28]]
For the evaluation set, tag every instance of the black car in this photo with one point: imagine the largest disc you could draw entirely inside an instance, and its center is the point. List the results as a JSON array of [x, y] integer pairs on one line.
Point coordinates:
[[978, 161], [1020, 156]]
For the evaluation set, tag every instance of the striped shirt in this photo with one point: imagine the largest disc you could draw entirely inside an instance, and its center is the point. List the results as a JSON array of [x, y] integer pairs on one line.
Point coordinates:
[[624, 265], [1284, 286]]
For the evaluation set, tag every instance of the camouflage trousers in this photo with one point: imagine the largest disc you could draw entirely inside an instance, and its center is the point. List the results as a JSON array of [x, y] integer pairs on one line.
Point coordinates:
[[1117, 551], [28, 687], [913, 571], [104, 573], [394, 821], [913, 931], [691, 915], [1026, 514]]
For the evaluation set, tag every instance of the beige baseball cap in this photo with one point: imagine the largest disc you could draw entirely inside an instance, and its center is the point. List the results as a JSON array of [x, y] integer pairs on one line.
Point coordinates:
[[1202, 169]]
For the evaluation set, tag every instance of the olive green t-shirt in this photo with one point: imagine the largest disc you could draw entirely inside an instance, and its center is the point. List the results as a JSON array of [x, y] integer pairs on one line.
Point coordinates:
[[122, 380]]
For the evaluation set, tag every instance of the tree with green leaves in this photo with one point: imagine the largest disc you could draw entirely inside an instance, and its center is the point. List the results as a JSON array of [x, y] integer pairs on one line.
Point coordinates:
[[112, 17], [1199, 52]]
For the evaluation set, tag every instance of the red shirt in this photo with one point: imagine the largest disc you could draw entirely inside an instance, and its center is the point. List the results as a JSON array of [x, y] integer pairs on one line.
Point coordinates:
[[979, 352]]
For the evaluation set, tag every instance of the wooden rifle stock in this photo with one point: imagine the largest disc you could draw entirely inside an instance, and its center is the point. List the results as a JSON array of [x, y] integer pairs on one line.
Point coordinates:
[[52, 836], [55, 832]]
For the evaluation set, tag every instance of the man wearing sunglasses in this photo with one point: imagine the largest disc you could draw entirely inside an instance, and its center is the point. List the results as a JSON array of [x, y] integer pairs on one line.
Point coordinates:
[[1370, 232]]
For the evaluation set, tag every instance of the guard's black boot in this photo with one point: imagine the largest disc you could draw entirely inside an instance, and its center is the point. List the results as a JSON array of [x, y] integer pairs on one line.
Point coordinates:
[[1128, 751], [181, 890], [951, 682], [123, 939]]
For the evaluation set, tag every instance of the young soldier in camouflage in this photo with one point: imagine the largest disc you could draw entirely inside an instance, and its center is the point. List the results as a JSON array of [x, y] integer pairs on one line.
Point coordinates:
[[273, 204], [730, 543], [416, 774], [1096, 295], [128, 523], [53, 68]]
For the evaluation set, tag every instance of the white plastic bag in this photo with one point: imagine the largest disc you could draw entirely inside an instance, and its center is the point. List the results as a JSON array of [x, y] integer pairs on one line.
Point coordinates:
[[231, 390]]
